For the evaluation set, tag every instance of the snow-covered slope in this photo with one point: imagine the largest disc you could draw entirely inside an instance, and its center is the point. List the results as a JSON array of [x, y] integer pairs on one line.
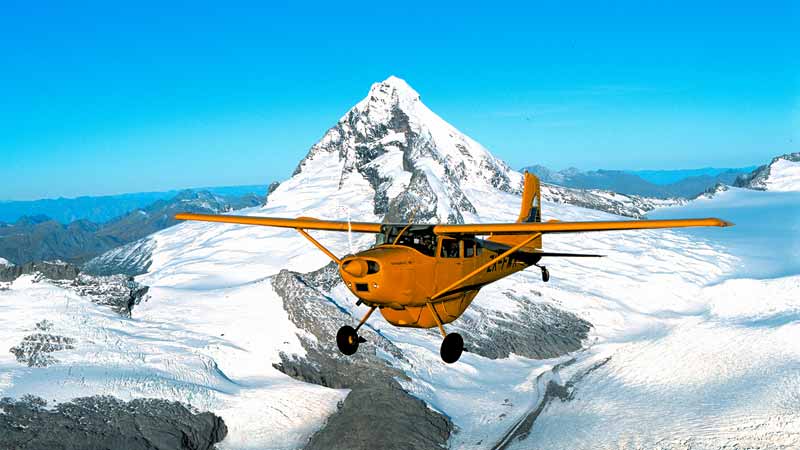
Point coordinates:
[[724, 374], [225, 322], [765, 239], [782, 174]]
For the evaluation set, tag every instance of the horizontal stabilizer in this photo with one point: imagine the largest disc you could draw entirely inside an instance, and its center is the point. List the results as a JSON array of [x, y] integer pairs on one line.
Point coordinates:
[[567, 255]]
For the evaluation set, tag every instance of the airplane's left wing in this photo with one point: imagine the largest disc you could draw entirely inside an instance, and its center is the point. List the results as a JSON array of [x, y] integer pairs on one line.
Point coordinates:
[[304, 223]]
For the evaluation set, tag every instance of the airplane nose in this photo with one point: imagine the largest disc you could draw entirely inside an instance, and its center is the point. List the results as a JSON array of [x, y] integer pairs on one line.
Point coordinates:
[[356, 267]]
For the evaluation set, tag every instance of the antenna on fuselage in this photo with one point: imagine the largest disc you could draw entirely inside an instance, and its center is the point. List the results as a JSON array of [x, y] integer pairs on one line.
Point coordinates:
[[410, 222]]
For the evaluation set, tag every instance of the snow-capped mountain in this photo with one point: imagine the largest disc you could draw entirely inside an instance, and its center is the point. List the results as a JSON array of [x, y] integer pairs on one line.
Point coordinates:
[[411, 158], [781, 174], [241, 320]]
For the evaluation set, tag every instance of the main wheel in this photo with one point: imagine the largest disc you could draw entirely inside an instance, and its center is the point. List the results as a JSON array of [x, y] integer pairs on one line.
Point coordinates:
[[347, 340], [545, 274], [452, 347]]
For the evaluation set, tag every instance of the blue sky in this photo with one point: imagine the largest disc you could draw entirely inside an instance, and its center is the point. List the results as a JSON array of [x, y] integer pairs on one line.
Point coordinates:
[[102, 99]]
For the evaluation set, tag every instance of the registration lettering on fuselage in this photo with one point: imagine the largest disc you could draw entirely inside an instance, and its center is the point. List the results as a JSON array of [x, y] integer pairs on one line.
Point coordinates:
[[502, 264]]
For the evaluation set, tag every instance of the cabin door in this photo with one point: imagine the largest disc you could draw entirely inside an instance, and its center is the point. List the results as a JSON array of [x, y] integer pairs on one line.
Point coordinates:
[[449, 264]]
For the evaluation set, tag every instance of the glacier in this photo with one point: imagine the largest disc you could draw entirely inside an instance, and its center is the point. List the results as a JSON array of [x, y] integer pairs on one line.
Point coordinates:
[[724, 373]]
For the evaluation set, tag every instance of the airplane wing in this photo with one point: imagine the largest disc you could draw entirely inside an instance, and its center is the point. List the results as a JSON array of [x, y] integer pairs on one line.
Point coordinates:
[[307, 223], [574, 227]]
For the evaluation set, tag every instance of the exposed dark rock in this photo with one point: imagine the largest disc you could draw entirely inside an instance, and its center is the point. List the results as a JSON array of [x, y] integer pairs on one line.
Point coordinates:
[[376, 394], [318, 315], [35, 349], [272, 186], [385, 417], [538, 331], [119, 292], [418, 199], [106, 423], [53, 270], [324, 279]]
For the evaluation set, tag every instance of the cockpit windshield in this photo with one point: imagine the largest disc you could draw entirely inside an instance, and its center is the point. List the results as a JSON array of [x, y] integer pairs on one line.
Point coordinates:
[[418, 237]]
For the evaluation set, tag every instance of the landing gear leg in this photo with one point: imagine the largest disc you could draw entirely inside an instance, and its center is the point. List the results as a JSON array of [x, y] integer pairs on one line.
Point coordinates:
[[347, 339], [452, 344]]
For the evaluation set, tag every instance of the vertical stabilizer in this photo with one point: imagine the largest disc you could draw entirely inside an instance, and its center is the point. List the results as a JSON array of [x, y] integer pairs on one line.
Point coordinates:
[[529, 211]]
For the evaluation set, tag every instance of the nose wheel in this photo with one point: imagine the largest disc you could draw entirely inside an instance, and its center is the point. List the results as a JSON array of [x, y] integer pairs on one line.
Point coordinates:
[[347, 338]]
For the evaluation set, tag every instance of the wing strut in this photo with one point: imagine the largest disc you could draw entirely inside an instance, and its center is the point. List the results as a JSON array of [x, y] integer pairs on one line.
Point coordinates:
[[480, 269]]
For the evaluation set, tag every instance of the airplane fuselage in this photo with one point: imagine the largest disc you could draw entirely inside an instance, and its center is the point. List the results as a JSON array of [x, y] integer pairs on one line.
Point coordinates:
[[400, 280]]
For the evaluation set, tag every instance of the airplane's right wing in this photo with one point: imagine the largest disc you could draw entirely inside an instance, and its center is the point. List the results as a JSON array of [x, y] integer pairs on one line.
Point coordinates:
[[573, 227]]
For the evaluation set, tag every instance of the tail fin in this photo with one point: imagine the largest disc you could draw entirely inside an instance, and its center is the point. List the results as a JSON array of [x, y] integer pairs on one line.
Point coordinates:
[[530, 211]]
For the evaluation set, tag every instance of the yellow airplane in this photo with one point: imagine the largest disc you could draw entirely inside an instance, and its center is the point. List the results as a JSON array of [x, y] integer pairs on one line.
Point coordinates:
[[425, 276]]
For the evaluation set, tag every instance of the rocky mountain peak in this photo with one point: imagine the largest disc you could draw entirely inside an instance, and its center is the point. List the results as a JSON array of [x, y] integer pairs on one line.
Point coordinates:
[[390, 93], [413, 160]]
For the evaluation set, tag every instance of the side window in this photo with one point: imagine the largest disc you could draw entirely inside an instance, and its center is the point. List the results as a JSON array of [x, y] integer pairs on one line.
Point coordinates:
[[449, 248], [478, 248], [469, 248]]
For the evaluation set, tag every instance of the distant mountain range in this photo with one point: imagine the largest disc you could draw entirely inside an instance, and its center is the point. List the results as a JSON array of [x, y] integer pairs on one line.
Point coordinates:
[[100, 209], [41, 238], [648, 183]]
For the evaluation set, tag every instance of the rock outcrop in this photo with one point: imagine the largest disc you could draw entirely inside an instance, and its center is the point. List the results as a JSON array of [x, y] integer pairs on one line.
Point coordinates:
[[100, 423], [376, 393]]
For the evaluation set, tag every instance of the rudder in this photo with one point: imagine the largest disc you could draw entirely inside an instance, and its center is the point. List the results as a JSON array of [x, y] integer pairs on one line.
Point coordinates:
[[531, 208], [530, 211]]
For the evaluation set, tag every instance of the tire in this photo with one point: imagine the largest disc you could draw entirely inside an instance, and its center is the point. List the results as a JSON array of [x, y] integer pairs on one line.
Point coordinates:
[[347, 340], [452, 347], [545, 275]]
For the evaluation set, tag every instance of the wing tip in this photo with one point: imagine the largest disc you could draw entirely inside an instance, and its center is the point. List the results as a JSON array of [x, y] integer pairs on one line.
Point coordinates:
[[723, 223]]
